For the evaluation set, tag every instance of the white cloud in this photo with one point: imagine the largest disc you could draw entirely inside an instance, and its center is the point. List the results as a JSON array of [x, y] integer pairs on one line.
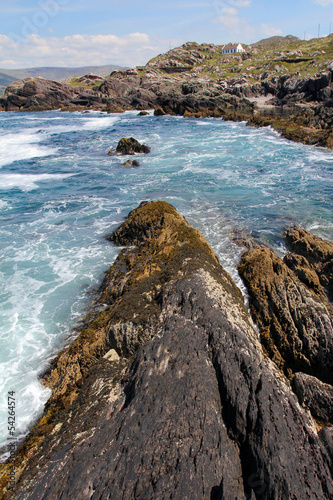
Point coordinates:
[[80, 50], [270, 30]]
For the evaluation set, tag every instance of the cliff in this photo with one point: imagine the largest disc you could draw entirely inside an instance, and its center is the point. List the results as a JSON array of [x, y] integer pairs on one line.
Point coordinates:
[[167, 391]]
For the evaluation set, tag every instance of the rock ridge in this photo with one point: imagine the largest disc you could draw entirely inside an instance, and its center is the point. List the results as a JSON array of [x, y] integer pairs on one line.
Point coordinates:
[[167, 392]]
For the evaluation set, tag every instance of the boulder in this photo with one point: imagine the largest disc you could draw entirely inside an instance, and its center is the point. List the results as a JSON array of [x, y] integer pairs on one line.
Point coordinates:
[[159, 112], [131, 146]]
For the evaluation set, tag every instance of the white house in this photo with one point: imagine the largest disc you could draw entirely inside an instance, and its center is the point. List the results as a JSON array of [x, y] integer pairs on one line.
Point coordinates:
[[232, 48]]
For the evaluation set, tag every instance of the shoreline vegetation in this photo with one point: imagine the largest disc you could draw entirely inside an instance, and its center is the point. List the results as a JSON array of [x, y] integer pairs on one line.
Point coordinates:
[[167, 371], [282, 82]]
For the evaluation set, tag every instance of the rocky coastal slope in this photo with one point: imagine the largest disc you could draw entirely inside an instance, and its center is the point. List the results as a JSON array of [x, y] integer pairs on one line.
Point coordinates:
[[282, 82], [167, 391]]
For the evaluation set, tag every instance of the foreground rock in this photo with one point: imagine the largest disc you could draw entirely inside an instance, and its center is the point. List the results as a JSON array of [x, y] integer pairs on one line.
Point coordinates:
[[315, 254], [315, 396], [295, 325], [166, 392]]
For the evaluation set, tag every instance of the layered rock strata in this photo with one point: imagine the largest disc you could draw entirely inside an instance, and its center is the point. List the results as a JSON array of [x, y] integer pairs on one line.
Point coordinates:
[[166, 392]]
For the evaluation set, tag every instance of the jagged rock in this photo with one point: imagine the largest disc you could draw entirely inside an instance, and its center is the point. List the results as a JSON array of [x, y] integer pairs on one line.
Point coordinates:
[[314, 395], [131, 146], [301, 267], [295, 325], [317, 252], [199, 412], [131, 163], [38, 93], [159, 112]]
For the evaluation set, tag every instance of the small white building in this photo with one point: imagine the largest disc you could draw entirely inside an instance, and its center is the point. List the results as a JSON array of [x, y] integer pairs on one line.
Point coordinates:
[[232, 48]]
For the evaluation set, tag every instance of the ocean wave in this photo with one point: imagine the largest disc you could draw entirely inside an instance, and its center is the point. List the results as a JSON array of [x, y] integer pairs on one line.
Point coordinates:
[[27, 182]]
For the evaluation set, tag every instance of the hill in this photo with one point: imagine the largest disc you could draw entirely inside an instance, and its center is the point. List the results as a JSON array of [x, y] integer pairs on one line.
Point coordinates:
[[276, 40], [58, 74], [5, 80]]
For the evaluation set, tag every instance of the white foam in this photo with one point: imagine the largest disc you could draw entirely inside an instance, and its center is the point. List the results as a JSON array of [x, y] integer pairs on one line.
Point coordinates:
[[27, 182], [22, 146]]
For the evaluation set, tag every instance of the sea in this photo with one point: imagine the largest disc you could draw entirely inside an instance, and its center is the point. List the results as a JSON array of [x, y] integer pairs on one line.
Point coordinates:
[[60, 193]]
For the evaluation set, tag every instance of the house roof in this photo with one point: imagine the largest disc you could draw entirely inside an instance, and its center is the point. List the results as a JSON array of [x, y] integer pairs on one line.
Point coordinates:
[[231, 46]]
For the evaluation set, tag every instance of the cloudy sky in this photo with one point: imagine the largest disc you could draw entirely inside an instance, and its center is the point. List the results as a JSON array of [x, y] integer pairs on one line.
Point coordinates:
[[125, 32]]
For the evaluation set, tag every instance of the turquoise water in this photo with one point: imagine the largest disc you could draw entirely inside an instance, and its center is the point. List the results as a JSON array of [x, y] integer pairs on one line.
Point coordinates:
[[60, 193]]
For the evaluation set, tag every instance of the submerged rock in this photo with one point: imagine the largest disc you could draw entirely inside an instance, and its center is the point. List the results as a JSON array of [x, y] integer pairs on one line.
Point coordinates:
[[131, 163], [166, 392]]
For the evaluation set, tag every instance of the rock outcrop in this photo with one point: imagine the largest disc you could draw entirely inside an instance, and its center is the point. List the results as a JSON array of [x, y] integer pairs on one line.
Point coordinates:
[[40, 93], [166, 392], [315, 258], [131, 146], [295, 325], [291, 302]]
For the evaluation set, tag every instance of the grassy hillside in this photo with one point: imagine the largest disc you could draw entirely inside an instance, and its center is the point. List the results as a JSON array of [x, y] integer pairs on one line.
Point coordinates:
[[275, 56]]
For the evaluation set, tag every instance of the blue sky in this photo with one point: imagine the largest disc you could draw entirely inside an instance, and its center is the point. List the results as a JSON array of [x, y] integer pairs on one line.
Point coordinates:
[[126, 32]]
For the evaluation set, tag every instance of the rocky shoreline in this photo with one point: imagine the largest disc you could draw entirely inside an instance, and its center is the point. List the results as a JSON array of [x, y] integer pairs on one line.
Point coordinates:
[[185, 82], [167, 390]]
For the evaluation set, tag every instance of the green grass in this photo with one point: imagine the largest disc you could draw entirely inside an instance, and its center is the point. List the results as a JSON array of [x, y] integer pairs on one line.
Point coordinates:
[[265, 58]]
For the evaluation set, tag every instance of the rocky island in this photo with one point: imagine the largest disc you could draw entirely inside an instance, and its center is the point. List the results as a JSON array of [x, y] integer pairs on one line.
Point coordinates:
[[281, 82], [168, 392]]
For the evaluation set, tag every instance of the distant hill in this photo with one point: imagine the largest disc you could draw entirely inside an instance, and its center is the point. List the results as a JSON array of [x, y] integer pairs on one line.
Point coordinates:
[[59, 74], [5, 80], [275, 40], [8, 76]]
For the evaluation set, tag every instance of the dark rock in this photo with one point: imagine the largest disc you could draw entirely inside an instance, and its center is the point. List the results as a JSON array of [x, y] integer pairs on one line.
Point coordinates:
[[326, 435], [143, 113], [131, 146], [131, 163], [314, 395], [159, 112], [296, 327]]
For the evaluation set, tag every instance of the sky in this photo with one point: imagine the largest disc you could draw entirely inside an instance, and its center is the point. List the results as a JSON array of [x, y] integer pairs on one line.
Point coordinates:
[[84, 32]]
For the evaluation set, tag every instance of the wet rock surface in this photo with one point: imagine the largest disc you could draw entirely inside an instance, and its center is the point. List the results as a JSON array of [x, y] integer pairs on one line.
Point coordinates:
[[166, 392], [131, 146]]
